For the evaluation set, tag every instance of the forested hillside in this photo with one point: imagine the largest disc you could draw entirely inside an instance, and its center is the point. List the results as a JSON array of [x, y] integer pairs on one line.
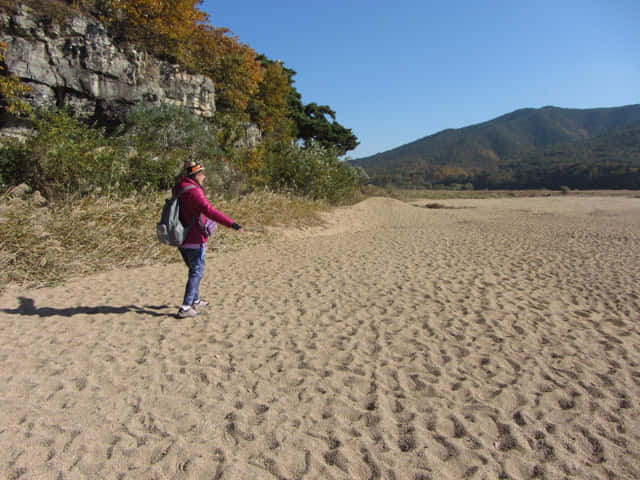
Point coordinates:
[[299, 144], [607, 161], [512, 151]]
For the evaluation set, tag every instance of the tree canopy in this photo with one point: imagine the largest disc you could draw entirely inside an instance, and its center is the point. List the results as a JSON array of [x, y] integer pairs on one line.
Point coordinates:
[[248, 85], [313, 124], [67, 156]]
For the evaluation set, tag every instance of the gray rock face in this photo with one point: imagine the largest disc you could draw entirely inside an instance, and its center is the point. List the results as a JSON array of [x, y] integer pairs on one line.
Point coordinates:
[[78, 65]]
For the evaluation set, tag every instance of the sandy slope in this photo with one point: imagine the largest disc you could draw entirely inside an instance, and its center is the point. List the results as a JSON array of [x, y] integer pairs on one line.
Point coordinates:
[[497, 339]]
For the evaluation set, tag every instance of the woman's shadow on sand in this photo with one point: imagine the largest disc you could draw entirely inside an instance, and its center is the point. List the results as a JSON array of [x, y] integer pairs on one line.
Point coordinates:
[[28, 307]]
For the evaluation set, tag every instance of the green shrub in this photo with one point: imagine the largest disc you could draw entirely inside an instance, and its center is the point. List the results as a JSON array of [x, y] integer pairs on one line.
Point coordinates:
[[67, 156], [312, 171], [165, 127], [147, 171], [14, 156], [163, 136]]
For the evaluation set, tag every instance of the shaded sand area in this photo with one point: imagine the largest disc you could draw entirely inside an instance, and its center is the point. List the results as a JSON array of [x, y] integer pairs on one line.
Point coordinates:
[[496, 339]]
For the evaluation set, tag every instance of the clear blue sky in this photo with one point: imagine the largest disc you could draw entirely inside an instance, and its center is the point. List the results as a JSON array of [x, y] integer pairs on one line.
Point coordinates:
[[396, 71]]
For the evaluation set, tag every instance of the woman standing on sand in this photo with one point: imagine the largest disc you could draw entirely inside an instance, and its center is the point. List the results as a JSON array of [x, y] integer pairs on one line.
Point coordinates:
[[197, 211]]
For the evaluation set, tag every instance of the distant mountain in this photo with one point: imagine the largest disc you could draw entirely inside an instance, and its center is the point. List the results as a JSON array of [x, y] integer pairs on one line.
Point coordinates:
[[457, 155]]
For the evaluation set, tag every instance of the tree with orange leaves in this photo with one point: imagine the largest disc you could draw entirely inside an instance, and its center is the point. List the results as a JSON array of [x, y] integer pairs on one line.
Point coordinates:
[[270, 106], [232, 66], [177, 30], [249, 87], [165, 27]]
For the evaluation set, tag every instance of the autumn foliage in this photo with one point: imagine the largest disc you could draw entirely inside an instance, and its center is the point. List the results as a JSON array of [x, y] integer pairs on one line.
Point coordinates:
[[180, 32], [249, 87], [11, 89], [166, 26], [251, 90]]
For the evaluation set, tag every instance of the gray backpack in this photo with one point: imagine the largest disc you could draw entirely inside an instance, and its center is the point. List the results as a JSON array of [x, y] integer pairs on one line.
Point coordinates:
[[170, 229]]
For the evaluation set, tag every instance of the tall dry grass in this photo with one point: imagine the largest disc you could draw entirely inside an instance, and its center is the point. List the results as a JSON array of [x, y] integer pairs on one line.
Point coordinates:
[[42, 246], [46, 245]]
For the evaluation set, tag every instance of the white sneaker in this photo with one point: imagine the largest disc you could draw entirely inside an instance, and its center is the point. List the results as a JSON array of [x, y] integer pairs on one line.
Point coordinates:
[[200, 303], [187, 312]]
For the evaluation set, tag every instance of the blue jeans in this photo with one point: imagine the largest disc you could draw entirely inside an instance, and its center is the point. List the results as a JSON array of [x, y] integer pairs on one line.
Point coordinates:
[[194, 259]]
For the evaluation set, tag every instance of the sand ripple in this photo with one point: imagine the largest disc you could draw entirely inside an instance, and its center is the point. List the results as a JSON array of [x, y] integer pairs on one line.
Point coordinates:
[[496, 339]]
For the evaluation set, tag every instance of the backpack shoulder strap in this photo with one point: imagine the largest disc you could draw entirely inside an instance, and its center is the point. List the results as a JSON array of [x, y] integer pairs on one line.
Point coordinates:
[[188, 187]]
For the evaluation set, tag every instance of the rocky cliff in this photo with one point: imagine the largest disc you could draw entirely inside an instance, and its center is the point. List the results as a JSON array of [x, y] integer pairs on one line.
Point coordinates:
[[75, 63]]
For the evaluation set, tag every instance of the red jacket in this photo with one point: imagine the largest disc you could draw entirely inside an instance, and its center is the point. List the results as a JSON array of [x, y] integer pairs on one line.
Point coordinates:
[[193, 203]]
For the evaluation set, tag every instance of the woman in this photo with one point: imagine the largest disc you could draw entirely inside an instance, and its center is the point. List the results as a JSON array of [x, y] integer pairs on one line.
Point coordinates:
[[197, 211]]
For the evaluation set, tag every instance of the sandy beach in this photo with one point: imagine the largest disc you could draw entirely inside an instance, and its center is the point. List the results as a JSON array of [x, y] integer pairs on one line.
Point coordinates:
[[490, 339]]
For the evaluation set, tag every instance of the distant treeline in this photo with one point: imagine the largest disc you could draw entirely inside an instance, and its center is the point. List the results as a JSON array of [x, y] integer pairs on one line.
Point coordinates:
[[528, 148], [609, 161]]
